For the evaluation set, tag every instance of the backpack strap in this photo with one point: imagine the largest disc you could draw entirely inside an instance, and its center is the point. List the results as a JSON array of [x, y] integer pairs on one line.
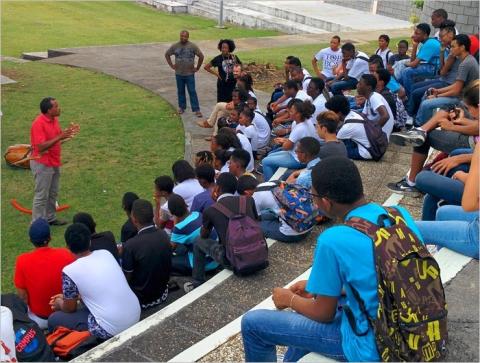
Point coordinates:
[[351, 318], [224, 210], [243, 205]]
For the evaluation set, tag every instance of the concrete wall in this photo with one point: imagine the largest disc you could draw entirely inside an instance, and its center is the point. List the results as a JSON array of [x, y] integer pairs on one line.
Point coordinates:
[[398, 9], [363, 5], [464, 13]]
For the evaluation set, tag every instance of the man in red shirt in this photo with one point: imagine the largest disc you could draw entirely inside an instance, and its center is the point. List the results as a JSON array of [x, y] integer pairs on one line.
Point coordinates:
[[45, 138], [38, 274]]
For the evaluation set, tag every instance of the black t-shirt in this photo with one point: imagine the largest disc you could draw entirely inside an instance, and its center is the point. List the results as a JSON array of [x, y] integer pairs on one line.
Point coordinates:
[[212, 218], [148, 257], [225, 64], [104, 241], [128, 231]]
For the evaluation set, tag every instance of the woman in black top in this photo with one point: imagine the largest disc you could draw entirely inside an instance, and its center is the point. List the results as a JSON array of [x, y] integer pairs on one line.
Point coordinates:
[[224, 62]]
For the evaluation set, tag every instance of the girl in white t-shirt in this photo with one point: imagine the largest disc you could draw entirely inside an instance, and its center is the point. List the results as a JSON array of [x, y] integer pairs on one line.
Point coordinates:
[[300, 112], [248, 129]]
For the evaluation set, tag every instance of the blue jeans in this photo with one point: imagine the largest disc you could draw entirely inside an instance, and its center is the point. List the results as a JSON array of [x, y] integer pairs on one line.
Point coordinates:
[[352, 150], [263, 330], [425, 112], [338, 86], [418, 90], [454, 229], [437, 187], [189, 82], [270, 225], [409, 74], [278, 159]]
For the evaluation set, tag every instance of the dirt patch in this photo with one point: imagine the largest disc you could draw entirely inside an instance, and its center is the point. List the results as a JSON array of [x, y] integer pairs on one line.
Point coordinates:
[[265, 75]]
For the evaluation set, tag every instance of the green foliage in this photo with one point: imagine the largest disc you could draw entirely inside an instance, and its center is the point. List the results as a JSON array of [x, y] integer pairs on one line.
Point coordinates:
[[418, 4], [34, 26], [128, 137]]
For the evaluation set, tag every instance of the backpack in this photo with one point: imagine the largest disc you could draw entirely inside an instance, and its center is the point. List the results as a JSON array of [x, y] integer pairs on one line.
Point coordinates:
[[246, 248], [30, 342], [387, 56], [376, 137], [296, 206], [68, 344], [411, 320]]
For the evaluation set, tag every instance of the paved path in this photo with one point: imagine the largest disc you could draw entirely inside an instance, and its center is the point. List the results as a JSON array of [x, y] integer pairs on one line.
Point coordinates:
[[144, 65]]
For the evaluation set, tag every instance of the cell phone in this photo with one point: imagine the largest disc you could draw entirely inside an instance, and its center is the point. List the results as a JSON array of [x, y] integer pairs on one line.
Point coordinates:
[[429, 92], [453, 108]]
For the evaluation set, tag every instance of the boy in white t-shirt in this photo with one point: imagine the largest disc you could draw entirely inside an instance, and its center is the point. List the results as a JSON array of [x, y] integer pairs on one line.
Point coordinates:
[[331, 58], [261, 124], [247, 128], [376, 108], [382, 50]]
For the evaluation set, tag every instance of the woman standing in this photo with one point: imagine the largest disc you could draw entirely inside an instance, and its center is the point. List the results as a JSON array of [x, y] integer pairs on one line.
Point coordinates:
[[224, 62]]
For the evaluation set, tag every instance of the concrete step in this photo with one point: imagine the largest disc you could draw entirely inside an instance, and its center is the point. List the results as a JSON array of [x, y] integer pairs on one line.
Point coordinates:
[[35, 55], [174, 7], [257, 19], [292, 16]]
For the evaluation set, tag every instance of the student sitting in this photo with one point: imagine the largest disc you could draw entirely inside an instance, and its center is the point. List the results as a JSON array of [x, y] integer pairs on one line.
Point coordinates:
[[292, 91], [402, 48], [221, 161], [184, 234], [128, 229], [223, 193], [343, 260], [186, 185], [315, 90], [382, 50], [425, 61], [203, 157], [163, 188], [298, 76], [376, 108], [230, 140], [331, 57], [247, 128], [457, 131], [261, 124], [352, 134], [146, 259], [354, 63], [239, 160], [300, 112], [245, 83], [327, 126], [206, 177], [99, 241], [307, 152], [293, 62], [38, 273], [109, 305]]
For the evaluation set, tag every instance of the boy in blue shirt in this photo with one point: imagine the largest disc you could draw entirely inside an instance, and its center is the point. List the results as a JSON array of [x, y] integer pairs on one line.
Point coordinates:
[[343, 258], [422, 62]]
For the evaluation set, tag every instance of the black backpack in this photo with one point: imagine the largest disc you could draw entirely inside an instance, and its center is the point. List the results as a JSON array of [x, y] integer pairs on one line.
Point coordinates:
[[376, 137], [30, 342]]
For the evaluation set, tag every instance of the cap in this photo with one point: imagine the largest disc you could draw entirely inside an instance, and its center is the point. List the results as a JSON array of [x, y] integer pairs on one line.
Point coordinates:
[[39, 231]]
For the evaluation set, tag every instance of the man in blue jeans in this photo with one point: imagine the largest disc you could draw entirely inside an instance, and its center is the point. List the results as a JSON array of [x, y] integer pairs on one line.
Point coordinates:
[[423, 62], [184, 67], [343, 259]]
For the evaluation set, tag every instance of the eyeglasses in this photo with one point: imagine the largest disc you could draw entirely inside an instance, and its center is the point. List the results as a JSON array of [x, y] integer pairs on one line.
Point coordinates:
[[315, 195]]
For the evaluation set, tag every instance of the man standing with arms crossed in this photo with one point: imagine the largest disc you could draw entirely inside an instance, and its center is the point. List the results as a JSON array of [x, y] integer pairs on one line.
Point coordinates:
[[45, 138], [184, 67]]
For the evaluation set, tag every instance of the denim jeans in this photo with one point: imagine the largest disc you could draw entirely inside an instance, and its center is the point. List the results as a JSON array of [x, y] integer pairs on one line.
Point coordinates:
[[338, 86], [409, 74], [437, 187], [454, 229], [462, 167], [442, 140], [263, 330], [418, 90], [352, 150], [270, 225], [427, 107], [202, 248], [189, 82], [279, 159]]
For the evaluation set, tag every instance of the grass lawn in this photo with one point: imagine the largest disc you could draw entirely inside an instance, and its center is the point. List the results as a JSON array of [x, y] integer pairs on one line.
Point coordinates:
[[276, 56], [128, 137], [38, 25]]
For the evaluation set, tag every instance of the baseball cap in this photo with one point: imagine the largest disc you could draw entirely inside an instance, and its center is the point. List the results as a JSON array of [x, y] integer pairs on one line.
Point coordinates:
[[39, 231]]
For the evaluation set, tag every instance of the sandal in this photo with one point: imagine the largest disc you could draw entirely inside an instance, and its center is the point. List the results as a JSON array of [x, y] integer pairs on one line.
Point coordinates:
[[198, 114], [204, 124]]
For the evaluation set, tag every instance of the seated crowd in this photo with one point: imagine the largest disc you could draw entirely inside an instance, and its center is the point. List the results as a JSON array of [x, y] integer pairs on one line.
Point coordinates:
[[312, 127]]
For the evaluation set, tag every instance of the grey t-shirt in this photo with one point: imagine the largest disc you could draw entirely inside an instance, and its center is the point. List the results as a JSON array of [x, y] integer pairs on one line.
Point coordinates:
[[451, 76], [184, 57], [467, 70], [332, 148]]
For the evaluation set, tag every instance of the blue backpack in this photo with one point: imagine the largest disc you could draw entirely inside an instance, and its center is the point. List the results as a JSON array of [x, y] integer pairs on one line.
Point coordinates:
[[296, 206]]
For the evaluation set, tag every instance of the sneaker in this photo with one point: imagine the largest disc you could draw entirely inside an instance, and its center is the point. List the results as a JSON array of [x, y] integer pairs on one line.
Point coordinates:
[[414, 137], [402, 187], [58, 222], [190, 285], [409, 120]]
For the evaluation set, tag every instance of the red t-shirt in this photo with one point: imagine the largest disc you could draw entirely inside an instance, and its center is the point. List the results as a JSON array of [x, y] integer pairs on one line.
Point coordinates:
[[44, 129], [40, 273]]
